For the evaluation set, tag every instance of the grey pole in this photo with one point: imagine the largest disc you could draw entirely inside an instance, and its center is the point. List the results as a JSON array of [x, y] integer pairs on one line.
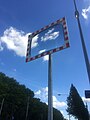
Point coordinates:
[[82, 41], [50, 100], [1, 106], [27, 108], [69, 116]]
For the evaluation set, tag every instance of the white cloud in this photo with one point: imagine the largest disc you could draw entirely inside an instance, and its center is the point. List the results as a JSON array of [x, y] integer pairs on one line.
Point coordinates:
[[41, 51], [49, 35], [49, 31], [86, 99], [34, 42], [86, 12], [57, 104], [16, 41], [62, 112], [43, 95], [38, 92], [1, 48], [46, 57]]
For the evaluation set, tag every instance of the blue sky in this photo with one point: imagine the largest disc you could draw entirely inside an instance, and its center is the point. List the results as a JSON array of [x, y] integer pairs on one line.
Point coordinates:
[[18, 19]]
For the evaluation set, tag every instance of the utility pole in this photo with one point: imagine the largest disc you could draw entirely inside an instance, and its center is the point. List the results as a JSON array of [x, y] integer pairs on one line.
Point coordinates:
[[1, 106], [82, 41], [27, 108]]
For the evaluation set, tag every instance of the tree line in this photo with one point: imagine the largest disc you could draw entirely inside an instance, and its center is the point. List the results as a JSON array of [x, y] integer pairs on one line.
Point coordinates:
[[13, 102], [18, 103]]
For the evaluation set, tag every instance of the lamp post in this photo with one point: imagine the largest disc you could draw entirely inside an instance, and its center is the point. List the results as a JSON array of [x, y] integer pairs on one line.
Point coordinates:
[[82, 40], [62, 94]]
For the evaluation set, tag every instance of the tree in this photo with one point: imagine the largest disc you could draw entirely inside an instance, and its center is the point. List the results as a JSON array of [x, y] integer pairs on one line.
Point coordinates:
[[15, 98], [15, 102], [76, 106]]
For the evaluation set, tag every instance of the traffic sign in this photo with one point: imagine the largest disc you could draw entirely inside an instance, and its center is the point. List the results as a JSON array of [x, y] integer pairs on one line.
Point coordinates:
[[49, 39], [87, 93]]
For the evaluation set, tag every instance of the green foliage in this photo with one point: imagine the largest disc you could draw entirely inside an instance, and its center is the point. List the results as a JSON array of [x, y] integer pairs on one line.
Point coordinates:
[[15, 96], [15, 102], [76, 106], [57, 115]]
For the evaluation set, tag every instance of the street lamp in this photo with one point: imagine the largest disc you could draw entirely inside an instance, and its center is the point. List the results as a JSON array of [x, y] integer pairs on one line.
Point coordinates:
[[62, 94], [82, 41]]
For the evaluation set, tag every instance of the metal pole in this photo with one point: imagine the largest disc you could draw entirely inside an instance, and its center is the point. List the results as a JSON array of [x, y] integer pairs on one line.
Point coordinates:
[[50, 100], [1, 106], [27, 108], [82, 41], [69, 116]]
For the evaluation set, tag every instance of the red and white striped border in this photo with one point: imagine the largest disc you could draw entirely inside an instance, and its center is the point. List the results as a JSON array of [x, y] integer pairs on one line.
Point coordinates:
[[66, 39]]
